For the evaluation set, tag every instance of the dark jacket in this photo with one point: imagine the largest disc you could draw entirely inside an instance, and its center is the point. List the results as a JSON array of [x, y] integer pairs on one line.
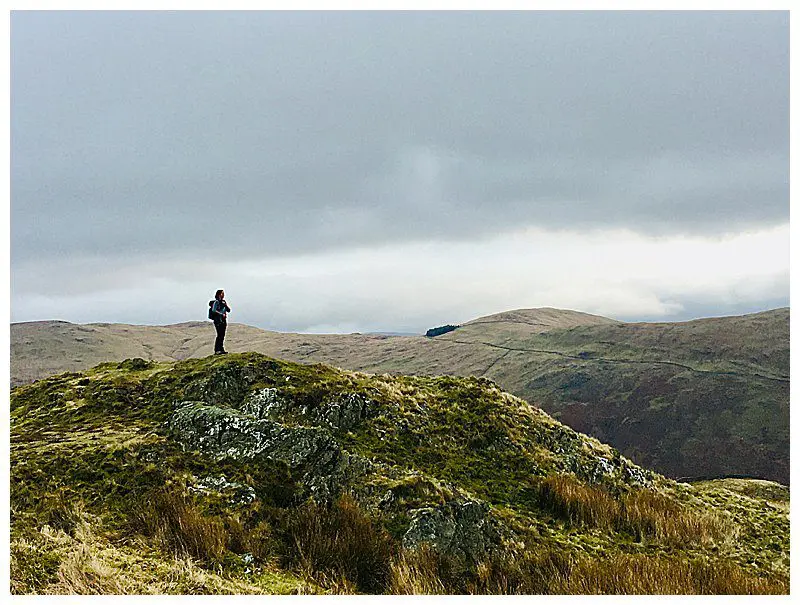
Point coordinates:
[[218, 309]]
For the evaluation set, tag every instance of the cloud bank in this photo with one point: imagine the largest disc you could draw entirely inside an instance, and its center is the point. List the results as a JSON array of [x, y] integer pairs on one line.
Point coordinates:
[[183, 150]]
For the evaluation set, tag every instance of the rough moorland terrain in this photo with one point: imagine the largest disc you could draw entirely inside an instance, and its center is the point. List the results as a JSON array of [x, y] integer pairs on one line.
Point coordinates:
[[704, 398], [247, 474]]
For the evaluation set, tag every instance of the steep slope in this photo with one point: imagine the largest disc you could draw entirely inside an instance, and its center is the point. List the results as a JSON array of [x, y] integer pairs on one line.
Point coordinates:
[[694, 399], [704, 398], [246, 474]]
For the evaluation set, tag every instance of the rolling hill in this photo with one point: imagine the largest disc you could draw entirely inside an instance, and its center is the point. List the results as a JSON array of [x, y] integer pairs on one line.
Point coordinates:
[[245, 474], [704, 398]]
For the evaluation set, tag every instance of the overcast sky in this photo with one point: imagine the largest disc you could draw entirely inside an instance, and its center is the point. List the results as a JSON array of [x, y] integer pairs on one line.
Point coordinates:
[[339, 172]]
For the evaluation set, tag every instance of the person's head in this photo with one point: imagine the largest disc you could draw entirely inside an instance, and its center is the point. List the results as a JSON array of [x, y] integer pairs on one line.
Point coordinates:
[[220, 294]]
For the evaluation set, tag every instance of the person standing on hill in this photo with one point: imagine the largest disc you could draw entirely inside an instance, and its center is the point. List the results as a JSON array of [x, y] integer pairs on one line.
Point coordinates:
[[218, 311]]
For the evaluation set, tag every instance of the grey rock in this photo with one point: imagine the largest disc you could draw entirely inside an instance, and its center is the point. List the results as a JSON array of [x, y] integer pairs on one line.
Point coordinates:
[[265, 403], [225, 433], [636, 475], [226, 384], [462, 529], [596, 471], [350, 468], [344, 413], [236, 493]]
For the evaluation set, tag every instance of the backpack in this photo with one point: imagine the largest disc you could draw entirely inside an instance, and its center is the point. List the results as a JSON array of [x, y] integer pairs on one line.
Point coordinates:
[[211, 313]]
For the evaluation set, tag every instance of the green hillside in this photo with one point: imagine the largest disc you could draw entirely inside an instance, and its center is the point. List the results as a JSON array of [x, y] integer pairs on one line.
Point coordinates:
[[704, 398], [247, 474]]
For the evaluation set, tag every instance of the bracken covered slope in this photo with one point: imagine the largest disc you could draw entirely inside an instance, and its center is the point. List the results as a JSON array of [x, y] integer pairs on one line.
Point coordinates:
[[247, 474]]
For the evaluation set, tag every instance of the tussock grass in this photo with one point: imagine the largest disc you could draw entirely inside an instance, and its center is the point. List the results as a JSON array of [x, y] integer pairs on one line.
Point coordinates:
[[551, 571], [170, 516], [651, 515], [426, 571], [84, 573], [647, 515], [421, 571], [580, 504], [339, 546], [640, 574], [90, 561]]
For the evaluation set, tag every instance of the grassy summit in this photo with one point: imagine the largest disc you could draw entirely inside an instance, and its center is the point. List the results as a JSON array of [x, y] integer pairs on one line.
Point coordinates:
[[247, 474]]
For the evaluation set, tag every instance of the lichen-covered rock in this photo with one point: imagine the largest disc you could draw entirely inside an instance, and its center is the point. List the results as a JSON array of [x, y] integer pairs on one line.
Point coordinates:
[[635, 475], [223, 433], [265, 403], [460, 528], [344, 413], [341, 412], [227, 384], [326, 469], [594, 471], [347, 474], [235, 493], [614, 469]]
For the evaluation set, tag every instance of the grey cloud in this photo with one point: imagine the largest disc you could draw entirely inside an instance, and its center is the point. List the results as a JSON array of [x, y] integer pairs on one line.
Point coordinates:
[[283, 133]]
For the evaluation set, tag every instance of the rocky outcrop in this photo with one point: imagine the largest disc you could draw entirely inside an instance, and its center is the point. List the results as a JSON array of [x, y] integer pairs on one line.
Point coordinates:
[[224, 432], [230, 419], [235, 494], [224, 385], [311, 451], [462, 529], [573, 457], [342, 412]]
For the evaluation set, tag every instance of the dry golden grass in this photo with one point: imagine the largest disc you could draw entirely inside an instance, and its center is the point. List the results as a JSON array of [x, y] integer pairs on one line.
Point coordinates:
[[640, 574], [84, 573], [580, 504], [650, 515], [419, 572], [340, 546], [87, 562], [550, 571], [170, 517], [646, 514]]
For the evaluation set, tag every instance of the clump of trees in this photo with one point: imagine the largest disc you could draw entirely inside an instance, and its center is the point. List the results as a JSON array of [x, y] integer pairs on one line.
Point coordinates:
[[440, 330]]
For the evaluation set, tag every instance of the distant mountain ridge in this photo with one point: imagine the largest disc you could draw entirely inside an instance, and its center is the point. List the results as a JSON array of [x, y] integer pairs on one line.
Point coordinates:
[[708, 397], [547, 318]]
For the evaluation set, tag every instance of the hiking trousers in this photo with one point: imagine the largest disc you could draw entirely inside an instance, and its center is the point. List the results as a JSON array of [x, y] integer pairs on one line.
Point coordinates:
[[219, 345]]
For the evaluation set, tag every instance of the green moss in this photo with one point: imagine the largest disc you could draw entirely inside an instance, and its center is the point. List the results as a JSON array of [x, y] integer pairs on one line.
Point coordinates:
[[33, 565], [99, 442]]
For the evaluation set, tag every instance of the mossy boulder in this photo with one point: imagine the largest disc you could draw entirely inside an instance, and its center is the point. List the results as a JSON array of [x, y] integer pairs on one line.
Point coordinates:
[[342, 411], [462, 529], [222, 433]]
